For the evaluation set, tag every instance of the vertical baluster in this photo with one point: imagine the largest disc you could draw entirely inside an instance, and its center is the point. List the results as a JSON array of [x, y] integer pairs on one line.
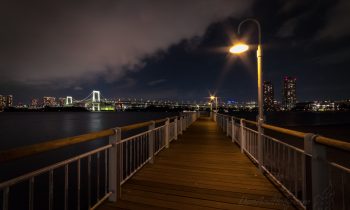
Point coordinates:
[[89, 181], [270, 155], [274, 158], [139, 155], [278, 160], [106, 171], [282, 165], [296, 174], [66, 187], [122, 161], [127, 157], [303, 175], [5, 198], [98, 176], [31, 193], [143, 148], [151, 142], [78, 183], [133, 154], [289, 172], [343, 189], [51, 190]]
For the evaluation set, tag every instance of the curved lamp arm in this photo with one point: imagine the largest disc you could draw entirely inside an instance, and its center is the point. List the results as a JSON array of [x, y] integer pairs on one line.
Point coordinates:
[[252, 20]]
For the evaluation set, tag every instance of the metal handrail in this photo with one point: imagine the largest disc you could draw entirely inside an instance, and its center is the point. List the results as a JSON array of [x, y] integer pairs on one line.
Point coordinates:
[[122, 159], [335, 143], [21, 152], [294, 170]]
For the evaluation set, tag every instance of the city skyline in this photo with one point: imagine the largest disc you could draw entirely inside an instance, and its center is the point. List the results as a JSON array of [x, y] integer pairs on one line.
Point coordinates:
[[184, 60]]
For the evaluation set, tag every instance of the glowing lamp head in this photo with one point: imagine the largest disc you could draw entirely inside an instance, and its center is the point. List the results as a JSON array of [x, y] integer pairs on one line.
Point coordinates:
[[212, 97], [239, 48]]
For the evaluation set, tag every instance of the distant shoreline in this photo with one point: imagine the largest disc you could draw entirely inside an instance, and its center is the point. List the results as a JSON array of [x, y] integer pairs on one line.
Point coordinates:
[[47, 109]]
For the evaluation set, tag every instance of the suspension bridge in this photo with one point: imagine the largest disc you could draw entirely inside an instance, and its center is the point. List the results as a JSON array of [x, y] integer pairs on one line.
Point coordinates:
[[93, 102]]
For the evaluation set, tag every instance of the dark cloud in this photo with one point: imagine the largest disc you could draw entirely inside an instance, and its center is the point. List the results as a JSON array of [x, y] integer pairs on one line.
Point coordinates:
[[156, 82], [288, 28], [70, 42], [337, 21]]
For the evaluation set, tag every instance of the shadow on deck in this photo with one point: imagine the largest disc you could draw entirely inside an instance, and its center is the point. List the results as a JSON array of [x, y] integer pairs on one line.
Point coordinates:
[[203, 169]]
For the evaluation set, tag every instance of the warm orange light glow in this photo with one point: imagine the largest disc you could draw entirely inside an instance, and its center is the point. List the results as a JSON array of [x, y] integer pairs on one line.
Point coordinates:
[[239, 48]]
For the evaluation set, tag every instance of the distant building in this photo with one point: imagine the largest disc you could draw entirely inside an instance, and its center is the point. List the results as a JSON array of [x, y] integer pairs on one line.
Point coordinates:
[[49, 101], [2, 102], [61, 101], [9, 101], [6, 101], [268, 96], [289, 92], [34, 103]]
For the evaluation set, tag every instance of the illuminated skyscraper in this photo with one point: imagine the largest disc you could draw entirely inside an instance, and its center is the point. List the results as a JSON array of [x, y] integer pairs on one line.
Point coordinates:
[[2, 102], [34, 103], [8, 101], [49, 101], [268, 96], [289, 92], [61, 102]]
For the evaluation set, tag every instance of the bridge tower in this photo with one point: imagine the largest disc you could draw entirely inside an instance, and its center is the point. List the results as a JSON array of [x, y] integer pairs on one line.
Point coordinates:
[[96, 99], [69, 100]]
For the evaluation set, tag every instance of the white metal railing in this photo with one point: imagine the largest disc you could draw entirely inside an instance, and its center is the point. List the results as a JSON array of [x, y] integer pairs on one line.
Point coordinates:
[[306, 175], [106, 168]]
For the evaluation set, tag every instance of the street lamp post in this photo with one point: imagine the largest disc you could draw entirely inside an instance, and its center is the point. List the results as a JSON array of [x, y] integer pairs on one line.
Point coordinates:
[[239, 48], [216, 101]]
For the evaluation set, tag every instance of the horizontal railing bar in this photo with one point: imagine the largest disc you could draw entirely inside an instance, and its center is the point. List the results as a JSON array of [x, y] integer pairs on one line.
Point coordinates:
[[140, 134], [51, 167], [333, 143], [34, 149], [132, 137], [319, 139], [135, 126], [101, 201], [249, 129], [250, 122], [25, 151], [136, 170], [285, 131], [161, 120], [285, 144], [340, 167]]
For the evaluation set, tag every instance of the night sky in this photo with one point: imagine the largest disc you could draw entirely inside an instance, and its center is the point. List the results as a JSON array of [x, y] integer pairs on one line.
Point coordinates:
[[171, 49]]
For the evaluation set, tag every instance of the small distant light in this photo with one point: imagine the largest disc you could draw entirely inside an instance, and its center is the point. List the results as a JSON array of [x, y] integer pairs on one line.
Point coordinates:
[[239, 48]]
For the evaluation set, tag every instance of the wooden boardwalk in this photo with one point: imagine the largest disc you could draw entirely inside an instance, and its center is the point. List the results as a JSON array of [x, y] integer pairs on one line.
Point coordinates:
[[203, 169]]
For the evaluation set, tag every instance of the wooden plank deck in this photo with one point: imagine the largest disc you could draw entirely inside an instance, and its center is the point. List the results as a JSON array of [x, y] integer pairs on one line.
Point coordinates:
[[203, 169]]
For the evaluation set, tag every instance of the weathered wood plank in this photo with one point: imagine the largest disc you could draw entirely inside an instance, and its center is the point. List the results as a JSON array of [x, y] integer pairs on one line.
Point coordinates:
[[203, 169]]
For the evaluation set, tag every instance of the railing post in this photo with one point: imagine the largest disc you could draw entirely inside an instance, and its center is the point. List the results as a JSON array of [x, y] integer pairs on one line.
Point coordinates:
[[233, 129], [184, 121], [151, 141], [214, 114], [175, 128], [180, 124], [260, 143], [167, 129], [115, 166], [227, 125], [322, 189], [242, 136]]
